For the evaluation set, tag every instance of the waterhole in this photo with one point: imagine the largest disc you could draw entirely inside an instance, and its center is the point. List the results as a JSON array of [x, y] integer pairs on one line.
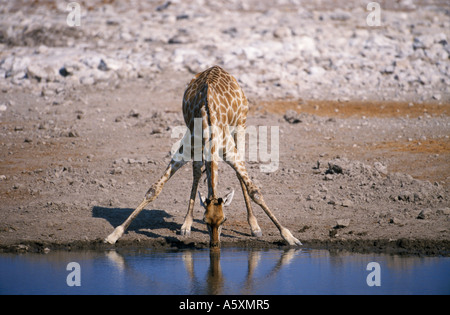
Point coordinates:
[[225, 271]]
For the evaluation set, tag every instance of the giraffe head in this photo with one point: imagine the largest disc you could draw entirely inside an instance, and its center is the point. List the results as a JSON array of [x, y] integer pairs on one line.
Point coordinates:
[[214, 216]]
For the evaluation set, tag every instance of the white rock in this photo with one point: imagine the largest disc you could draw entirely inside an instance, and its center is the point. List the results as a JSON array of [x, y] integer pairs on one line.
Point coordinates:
[[305, 43], [282, 32], [41, 73], [252, 53], [380, 168], [316, 71]]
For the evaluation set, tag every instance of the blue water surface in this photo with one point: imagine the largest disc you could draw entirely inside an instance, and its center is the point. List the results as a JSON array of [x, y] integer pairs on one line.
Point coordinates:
[[228, 271]]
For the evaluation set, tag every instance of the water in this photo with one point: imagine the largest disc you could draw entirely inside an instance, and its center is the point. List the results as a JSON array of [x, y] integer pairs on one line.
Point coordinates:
[[230, 271]]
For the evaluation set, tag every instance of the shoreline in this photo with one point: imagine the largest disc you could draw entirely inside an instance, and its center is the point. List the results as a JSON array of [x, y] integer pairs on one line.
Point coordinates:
[[407, 247]]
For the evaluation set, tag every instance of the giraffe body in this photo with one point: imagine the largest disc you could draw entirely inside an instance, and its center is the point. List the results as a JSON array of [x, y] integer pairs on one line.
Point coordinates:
[[215, 98]]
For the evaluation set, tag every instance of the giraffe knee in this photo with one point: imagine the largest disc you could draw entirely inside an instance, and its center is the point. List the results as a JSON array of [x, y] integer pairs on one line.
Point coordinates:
[[255, 194], [151, 194]]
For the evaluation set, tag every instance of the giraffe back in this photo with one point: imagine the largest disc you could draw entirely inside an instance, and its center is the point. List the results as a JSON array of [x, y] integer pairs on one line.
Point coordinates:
[[216, 95]]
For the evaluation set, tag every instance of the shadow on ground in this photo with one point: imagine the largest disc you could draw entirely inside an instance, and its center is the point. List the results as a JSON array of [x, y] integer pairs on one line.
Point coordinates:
[[148, 221], [145, 223]]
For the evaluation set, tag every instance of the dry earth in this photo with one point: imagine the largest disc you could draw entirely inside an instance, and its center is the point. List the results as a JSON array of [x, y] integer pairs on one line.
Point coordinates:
[[354, 173], [73, 169]]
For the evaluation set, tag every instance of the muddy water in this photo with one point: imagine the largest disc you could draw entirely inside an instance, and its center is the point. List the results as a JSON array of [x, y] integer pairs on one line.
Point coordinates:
[[230, 271]]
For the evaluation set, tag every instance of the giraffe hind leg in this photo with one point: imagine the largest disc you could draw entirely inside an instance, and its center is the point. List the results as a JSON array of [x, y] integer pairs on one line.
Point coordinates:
[[239, 138], [254, 227], [233, 159]]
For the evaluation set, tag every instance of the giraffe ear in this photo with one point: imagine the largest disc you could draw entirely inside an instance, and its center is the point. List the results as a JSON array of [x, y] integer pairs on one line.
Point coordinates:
[[228, 198], [202, 200]]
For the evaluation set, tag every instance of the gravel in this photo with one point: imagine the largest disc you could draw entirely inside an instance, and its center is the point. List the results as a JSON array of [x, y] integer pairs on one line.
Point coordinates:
[[292, 48]]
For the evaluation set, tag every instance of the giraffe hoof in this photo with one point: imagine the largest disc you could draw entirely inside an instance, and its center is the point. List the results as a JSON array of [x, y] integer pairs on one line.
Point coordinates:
[[257, 233], [114, 236], [185, 232], [289, 238]]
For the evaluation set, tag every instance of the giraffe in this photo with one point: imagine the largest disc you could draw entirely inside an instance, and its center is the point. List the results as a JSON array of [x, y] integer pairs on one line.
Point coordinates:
[[214, 98]]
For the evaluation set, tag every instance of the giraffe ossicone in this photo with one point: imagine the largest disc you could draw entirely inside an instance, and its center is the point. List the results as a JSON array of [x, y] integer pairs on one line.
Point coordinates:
[[215, 101]]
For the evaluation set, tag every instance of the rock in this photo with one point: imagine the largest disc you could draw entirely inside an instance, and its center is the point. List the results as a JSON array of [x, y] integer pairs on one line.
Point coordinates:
[[134, 113], [73, 134], [3, 108], [40, 73], [336, 166], [163, 6], [63, 71], [117, 171], [292, 117], [316, 71], [406, 196], [381, 168], [396, 221], [340, 15], [332, 233], [102, 66], [20, 248], [156, 130], [88, 80], [43, 126], [388, 70], [109, 64], [252, 53], [282, 32], [443, 211], [424, 214], [422, 42], [305, 43], [347, 203], [351, 168], [70, 67], [342, 223]]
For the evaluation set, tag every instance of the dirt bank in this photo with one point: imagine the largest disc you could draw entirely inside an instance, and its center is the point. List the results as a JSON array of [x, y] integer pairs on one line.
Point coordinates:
[[74, 167]]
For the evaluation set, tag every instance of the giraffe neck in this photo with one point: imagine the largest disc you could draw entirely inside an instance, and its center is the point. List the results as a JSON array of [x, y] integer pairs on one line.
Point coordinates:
[[213, 179]]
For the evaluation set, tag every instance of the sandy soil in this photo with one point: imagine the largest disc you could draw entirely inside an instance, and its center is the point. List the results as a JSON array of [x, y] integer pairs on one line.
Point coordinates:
[[73, 167]]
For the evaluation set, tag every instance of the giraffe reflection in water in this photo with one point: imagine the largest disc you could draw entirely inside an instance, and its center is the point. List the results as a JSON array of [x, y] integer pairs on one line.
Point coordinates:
[[214, 282]]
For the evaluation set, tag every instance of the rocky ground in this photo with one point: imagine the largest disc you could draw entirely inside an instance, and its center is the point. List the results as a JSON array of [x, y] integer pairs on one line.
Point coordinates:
[[88, 116]]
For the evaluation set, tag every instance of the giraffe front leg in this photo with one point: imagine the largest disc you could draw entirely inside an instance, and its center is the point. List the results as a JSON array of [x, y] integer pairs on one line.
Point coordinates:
[[152, 193], [188, 220]]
